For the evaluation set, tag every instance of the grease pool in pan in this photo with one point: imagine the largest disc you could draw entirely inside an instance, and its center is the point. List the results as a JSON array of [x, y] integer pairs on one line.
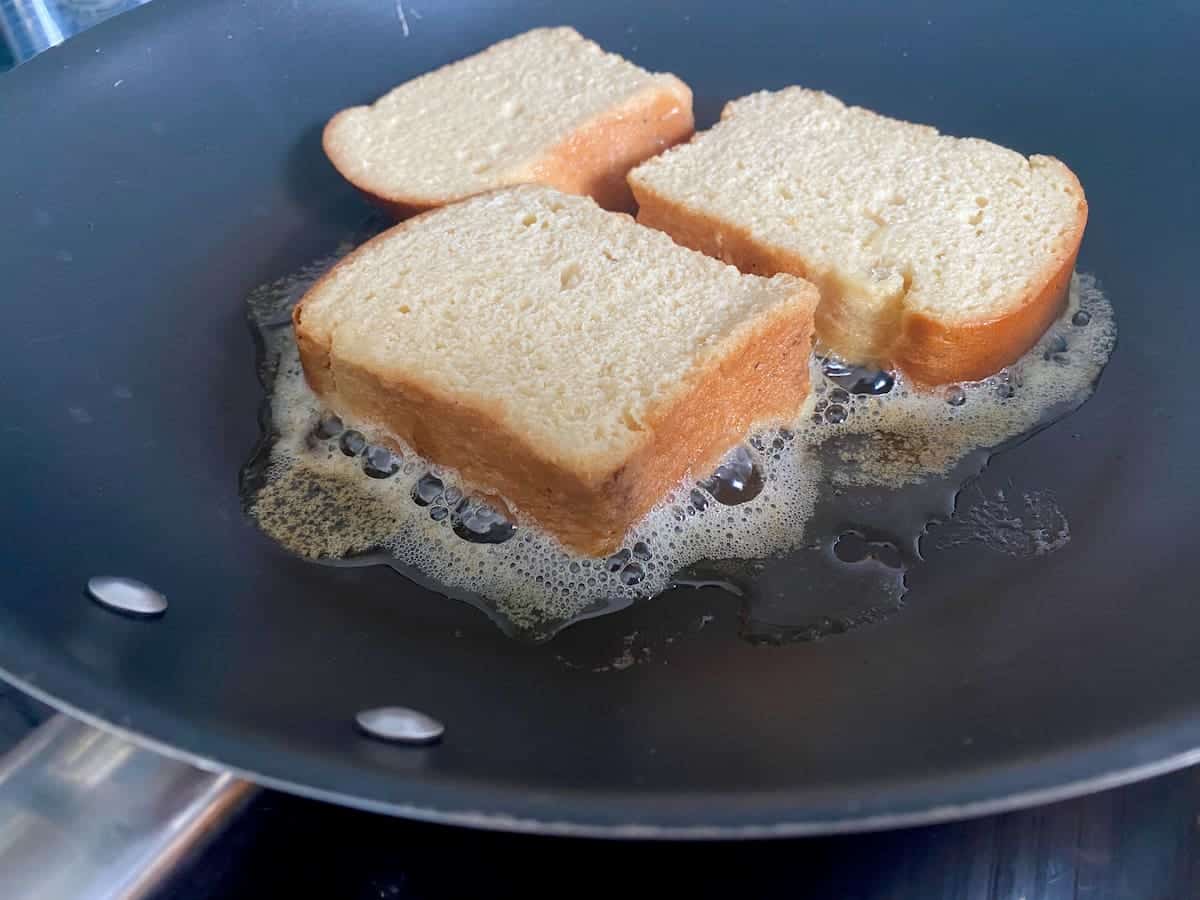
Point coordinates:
[[814, 526]]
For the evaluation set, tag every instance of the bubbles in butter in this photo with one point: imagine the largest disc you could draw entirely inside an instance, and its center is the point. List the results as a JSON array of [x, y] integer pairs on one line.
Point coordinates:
[[911, 433], [316, 501], [312, 495]]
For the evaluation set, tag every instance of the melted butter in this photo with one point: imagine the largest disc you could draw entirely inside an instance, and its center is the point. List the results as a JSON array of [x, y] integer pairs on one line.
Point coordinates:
[[820, 545]]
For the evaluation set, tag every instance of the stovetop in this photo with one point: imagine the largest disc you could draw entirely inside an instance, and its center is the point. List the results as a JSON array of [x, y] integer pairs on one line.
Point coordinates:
[[1140, 842]]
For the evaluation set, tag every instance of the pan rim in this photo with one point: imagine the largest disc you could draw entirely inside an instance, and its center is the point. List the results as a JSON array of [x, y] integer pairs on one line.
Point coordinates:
[[1050, 790]]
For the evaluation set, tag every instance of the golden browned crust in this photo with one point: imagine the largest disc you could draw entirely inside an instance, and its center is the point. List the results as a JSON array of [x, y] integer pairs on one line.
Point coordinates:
[[593, 160], [713, 236], [935, 353], [596, 158], [928, 350], [763, 378]]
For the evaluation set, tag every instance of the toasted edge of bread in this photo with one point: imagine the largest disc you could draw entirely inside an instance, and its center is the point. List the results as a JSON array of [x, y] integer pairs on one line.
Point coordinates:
[[592, 160], [928, 350], [763, 379]]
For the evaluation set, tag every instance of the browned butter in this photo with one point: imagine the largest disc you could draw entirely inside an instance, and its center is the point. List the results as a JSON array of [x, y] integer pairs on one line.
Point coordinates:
[[884, 457]]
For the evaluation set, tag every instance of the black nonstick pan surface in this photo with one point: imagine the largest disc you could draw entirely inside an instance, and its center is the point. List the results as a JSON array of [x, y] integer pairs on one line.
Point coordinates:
[[156, 169]]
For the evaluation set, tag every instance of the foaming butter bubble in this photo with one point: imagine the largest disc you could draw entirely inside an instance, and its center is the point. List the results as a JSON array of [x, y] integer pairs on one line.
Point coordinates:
[[317, 501], [911, 434], [336, 491]]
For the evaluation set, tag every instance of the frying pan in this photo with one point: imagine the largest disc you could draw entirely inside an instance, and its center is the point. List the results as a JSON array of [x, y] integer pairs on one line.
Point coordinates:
[[159, 167]]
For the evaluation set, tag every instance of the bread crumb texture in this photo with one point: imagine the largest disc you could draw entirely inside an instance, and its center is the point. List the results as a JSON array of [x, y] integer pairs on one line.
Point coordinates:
[[502, 116], [561, 356], [893, 221]]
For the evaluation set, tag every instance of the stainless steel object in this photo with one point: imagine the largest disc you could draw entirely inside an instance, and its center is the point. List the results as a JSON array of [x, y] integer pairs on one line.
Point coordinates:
[[126, 595], [31, 26], [86, 814], [400, 725]]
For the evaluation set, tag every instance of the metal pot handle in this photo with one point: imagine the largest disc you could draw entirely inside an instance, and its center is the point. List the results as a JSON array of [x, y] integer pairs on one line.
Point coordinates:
[[86, 814], [31, 26]]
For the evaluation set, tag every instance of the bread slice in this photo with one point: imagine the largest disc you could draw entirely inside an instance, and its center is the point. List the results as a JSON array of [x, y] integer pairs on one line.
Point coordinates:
[[545, 106], [562, 357], [943, 256]]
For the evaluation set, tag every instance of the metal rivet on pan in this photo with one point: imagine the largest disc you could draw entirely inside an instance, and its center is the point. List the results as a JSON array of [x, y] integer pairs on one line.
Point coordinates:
[[399, 724], [127, 596]]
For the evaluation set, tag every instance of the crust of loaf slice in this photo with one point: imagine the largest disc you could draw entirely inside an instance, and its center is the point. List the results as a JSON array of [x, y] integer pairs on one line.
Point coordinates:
[[930, 349], [760, 377], [590, 157]]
